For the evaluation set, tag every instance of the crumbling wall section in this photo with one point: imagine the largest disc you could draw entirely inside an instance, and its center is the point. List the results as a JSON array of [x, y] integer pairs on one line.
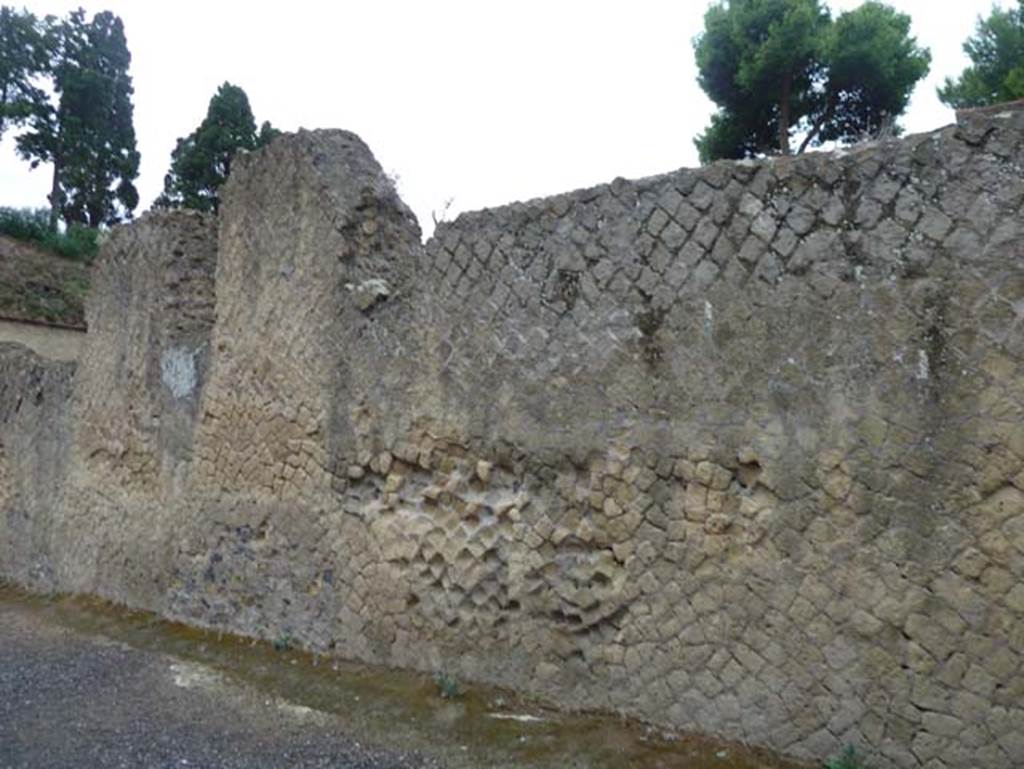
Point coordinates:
[[314, 241], [150, 316], [35, 397], [313, 330], [135, 406]]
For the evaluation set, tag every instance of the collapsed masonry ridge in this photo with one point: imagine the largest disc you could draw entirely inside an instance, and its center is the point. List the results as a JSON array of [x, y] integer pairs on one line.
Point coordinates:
[[737, 450]]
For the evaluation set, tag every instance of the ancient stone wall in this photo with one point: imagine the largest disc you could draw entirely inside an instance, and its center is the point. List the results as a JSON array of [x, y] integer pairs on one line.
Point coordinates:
[[737, 450]]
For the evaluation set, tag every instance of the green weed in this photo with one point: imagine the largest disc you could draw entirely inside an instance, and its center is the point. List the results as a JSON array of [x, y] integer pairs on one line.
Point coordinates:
[[448, 685], [849, 758]]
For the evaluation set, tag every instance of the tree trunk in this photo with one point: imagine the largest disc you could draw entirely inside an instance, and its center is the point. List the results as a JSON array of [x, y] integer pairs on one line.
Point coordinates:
[[829, 111], [56, 198], [784, 98], [3, 110], [811, 136]]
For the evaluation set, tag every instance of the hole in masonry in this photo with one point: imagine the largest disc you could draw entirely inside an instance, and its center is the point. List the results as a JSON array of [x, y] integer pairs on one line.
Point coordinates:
[[748, 472]]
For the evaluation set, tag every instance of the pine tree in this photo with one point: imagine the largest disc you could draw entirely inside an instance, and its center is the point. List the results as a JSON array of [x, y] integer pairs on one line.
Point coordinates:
[[781, 70], [996, 73]]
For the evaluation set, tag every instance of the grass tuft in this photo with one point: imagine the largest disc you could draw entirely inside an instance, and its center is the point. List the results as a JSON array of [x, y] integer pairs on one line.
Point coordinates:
[[447, 685]]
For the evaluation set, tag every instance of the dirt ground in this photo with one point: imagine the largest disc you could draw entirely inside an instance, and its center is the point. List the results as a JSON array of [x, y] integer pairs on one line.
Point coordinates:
[[39, 286]]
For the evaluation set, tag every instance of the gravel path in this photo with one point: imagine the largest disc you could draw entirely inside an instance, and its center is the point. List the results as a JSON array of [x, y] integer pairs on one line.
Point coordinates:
[[73, 701]]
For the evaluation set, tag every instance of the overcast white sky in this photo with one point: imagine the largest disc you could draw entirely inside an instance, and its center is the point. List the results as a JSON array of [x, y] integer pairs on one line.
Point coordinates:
[[485, 102]]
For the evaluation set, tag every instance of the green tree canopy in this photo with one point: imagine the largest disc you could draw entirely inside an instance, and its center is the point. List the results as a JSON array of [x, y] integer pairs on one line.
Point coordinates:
[[996, 52], [89, 135], [784, 69], [24, 57], [201, 161]]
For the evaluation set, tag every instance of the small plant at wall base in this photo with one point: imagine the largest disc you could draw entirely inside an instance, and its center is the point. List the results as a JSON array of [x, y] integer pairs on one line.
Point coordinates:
[[848, 759], [447, 685]]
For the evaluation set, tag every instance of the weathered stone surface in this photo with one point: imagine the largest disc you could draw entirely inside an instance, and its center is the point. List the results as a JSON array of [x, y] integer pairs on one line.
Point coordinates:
[[736, 450], [35, 398]]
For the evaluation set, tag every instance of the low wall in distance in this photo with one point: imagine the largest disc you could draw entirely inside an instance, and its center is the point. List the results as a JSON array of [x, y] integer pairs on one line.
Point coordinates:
[[52, 342]]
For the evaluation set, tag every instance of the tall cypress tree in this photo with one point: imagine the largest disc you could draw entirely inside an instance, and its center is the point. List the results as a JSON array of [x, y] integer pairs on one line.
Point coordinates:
[[89, 136], [201, 161]]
